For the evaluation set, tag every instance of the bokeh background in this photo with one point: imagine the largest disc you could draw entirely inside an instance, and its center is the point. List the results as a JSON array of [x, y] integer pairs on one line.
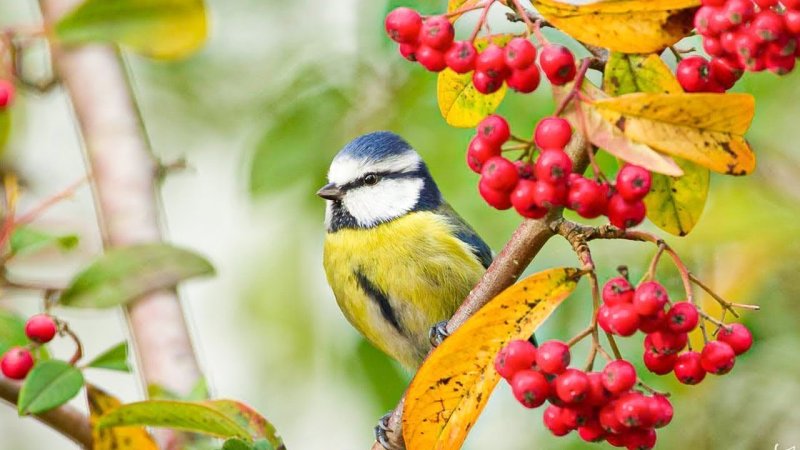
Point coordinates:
[[259, 113]]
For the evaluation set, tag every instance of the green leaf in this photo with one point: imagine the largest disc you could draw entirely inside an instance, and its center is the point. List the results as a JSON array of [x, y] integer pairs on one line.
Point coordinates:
[[626, 74], [249, 418], [27, 240], [125, 274], [238, 444], [115, 358], [12, 331], [164, 29], [187, 416], [675, 204], [49, 385]]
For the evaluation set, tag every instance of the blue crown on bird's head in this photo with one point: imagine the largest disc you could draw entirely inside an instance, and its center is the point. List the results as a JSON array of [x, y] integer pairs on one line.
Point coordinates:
[[376, 146]]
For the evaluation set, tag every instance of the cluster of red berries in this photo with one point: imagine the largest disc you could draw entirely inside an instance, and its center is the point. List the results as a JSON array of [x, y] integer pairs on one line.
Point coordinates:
[[740, 35], [532, 189], [647, 308], [601, 406], [431, 42], [18, 361]]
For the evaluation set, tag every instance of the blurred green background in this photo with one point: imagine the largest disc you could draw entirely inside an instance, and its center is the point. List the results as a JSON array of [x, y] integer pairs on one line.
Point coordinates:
[[259, 113]]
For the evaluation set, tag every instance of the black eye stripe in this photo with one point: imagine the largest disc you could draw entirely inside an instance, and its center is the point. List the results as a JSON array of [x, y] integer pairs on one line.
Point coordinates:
[[381, 175]]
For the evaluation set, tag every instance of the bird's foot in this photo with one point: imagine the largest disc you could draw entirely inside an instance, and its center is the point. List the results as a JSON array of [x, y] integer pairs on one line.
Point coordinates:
[[438, 333], [382, 429]]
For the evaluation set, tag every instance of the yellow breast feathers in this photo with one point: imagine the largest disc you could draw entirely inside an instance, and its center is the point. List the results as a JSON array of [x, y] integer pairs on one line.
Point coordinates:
[[394, 281]]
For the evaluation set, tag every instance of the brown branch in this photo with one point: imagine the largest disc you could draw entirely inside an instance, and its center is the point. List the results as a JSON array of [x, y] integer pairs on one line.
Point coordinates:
[[508, 265], [124, 181], [66, 420]]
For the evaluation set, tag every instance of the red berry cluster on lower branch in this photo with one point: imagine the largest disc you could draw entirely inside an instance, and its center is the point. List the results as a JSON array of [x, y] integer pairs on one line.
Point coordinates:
[[17, 362], [601, 406], [647, 308], [533, 188], [430, 41], [753, 35]]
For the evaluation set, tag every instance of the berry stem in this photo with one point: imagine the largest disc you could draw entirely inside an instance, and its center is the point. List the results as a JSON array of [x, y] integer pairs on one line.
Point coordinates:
[[465, 9], [576, 87], [481, 20], [580, 336], [78, 346], [729, 306], [651, 271], [529, 25], [590, 152], [47, 203], [642, 385]]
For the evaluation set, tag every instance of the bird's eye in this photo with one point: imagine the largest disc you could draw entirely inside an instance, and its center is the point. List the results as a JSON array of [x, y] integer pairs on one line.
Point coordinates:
[[370, 179]]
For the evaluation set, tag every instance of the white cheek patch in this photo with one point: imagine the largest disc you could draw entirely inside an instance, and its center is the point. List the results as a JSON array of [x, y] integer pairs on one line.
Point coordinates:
[[345, 169], [387, 200]]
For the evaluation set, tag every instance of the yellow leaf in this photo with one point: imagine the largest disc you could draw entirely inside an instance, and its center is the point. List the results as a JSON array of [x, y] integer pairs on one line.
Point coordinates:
[[674, 204], [453, 385], [629, 26], [707, 129], [603, 134], [163, 29], [122, 438], [460, 103], [455, 5]]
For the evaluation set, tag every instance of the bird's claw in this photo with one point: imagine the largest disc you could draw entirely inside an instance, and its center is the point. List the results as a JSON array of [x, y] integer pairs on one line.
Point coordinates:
[[438, 333], [381, 431]]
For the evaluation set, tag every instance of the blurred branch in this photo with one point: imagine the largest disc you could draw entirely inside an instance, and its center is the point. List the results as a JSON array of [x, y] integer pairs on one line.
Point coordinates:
[[124, 180], [508, 265], [66, 420]]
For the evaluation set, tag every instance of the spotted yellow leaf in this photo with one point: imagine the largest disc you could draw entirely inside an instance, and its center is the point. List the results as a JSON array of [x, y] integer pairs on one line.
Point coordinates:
[[460, 103], [674, 204], [127, 438], [629, 26], [453, 385], [457, 5], [707, 129]]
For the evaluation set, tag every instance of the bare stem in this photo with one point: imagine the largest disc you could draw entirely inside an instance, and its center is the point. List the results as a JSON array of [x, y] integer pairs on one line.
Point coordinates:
[[481, 20], [575, 88]]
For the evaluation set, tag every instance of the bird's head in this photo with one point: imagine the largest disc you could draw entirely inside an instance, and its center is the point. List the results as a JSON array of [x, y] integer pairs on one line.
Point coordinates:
[[374, 179]]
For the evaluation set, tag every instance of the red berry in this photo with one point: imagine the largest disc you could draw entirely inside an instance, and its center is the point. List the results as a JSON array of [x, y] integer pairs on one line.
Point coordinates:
[[41, 328], [624, 214], [517, 355], [767, 26], [552, 357], [652, 323], [437, 32], [576, 416], [587, 198], [622, 319], [479, 152], [409, 51], [792, 20], [780, 65], [617, 440], [640, 439], [702, 20], [784, 46], [553, 421], [7, 92], [713, 2], [461, 57], [558, 64], [520, 53], [524, 80], [16, 363], [791, 4], [592, 431], [728, 42], [719, 22], [597, 394], [748, 49], [738, 337], [430, 58], [663, 410], [649, 298], [524, 200], [484, 83], [713, 46], [633, 410], [495, 198], [692, 74], [494, 129], [619, 376], [548, 195], [739, 11], [553, 133], [659, 364], [492, 61], [403, 25], [608, 419], [499, 173], [665, 342], [572, 386], [682, 317], [553, 166], [766, 4], [525, 170], [530, 388], [688, 368], [617, 290], [724, 71], [633, 182]]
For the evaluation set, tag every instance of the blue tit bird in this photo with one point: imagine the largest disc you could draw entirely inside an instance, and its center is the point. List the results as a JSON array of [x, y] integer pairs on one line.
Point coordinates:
[[398, 258]]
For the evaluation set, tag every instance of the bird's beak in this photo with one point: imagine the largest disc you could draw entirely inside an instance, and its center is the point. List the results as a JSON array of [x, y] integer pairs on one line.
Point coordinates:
[[331, 192]]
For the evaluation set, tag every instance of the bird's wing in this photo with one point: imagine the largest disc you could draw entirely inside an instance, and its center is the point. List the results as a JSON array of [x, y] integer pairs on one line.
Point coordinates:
[[466, 234]]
